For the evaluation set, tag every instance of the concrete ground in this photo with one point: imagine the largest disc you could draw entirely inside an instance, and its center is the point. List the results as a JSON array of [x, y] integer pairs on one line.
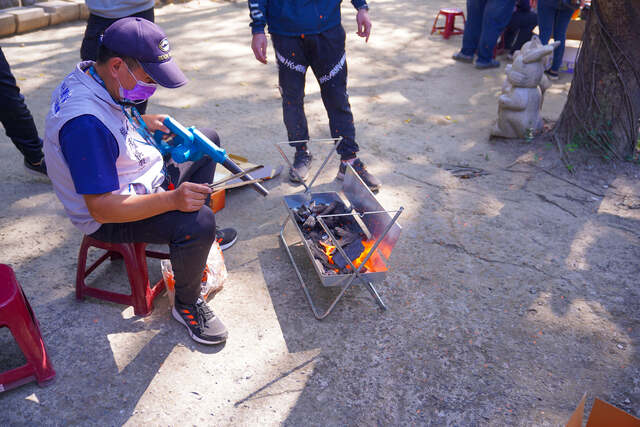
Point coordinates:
[[510, 294]]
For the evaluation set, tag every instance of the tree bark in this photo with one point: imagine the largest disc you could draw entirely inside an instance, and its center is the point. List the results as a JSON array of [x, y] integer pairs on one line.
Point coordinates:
[[603, 106]]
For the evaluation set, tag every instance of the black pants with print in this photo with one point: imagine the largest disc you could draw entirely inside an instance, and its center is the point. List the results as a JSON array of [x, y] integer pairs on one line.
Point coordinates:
[[188, 234], [325, 54]]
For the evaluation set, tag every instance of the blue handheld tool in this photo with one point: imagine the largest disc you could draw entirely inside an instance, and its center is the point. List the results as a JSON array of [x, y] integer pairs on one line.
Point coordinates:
[[189, 144]]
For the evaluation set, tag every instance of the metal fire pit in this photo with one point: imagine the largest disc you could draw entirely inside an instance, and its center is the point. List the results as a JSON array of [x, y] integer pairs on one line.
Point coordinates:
[[374, 221]]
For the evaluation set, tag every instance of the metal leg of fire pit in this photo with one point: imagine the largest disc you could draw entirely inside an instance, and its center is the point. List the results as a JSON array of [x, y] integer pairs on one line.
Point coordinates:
[[375, 295], [349, 281]]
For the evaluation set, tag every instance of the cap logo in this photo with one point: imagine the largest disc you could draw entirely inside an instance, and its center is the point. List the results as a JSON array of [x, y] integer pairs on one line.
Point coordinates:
[[164, 45]]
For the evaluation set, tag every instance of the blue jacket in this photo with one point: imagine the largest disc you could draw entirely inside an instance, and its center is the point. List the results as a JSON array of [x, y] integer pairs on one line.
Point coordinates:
[[296, 17]]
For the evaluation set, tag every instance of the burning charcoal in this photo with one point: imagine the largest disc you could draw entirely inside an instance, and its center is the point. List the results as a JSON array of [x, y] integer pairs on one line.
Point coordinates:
[[310, 222], [314, 236], [297, 217], [319, 255], [339, 231], [318, 208], [303, 211], [353, 251], [340, 208], [349, 238], [330, 208]]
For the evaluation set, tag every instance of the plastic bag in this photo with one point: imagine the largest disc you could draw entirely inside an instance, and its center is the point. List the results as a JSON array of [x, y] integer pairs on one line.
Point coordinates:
[[214, 276]]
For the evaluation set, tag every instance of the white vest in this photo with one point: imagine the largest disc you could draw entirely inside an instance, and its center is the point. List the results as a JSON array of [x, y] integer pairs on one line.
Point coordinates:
[[139, 165]]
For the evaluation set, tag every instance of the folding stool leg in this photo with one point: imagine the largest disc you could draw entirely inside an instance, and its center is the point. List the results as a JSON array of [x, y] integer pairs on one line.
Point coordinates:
[[448, 26], [82, 268], [136, 264], [435, 24], [29, 339]]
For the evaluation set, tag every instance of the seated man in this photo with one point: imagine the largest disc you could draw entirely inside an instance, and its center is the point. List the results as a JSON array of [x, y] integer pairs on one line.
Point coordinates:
[[111, 180]]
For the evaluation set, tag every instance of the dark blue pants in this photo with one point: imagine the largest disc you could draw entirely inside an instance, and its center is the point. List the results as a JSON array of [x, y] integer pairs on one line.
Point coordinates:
[[519, 30], [95, 27], [188, 234], [554, 20], [486, 19], [15, 116], [325, 54]]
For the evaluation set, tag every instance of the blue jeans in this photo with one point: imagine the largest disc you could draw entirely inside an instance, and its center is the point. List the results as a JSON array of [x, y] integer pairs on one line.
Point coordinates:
[[16, 117], [188, 234], [485, 21], [325, 54], [553, 20]]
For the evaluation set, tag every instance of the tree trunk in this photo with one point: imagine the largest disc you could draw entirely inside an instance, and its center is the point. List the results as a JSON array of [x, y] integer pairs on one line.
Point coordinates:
[[603, 107]]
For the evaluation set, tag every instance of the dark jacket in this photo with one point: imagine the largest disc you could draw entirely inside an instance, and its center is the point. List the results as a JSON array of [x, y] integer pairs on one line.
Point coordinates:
[[296, 17]]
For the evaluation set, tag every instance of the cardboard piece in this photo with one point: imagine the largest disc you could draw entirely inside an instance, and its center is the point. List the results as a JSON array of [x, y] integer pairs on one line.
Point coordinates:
[[575, 30], [602, 414], [578, 414]]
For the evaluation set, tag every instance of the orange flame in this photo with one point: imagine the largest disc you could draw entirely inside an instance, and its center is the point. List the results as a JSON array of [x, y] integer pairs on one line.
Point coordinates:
[[373, 264]]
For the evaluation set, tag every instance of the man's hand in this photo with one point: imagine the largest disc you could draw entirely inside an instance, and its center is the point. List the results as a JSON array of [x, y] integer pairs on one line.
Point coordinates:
[[155, 122], [190, 197], [533, 3], [364, 24], [259, 46]]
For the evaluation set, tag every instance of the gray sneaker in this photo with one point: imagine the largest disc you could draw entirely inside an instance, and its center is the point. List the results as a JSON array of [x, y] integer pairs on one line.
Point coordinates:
[[301, 164], [203, 326]]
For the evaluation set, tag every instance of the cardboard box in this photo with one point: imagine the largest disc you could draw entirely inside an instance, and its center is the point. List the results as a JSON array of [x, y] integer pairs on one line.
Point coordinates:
[[602, 414], [217, 201], [575, 30]]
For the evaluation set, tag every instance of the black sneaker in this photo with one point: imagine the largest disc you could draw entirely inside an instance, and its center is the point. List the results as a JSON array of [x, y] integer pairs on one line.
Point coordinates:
[[371, 181], [226, 237], [552, 75], [301, 164], [39, 168], [203, 326]]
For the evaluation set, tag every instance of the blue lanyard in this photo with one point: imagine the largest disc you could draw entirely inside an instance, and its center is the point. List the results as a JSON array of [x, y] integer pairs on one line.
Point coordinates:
[[140, 126], [96, 77]]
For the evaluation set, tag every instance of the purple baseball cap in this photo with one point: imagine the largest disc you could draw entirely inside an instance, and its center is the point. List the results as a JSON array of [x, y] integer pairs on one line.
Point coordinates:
[[145, 41]]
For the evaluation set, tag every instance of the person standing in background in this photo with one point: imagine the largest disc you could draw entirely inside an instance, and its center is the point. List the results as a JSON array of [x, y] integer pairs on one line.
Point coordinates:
[[18, 121], [103, 13], [486, 19], [553, 19], [310, 34], [520, 28]]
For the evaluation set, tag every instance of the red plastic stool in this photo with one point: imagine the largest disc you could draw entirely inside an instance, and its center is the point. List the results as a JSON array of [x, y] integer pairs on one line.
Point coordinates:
[[449, 28], [135, 259], [17, 315]]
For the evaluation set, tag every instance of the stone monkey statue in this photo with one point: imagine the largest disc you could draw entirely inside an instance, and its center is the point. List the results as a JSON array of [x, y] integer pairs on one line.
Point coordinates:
[[520, 103]]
